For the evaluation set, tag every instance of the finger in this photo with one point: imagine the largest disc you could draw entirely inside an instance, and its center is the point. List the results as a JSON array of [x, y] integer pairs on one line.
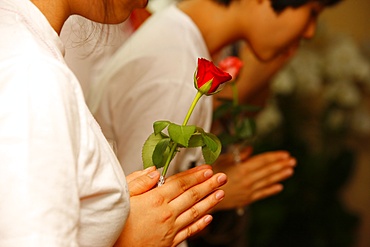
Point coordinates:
[[266, 192], [143, 183], [199, 209], [229, 158], [246, 153], [261, 170], [183, 182], [187, 172], [273, 178], [190, 197], [269, 157], [260, 161], [193, 229], [136, 174]]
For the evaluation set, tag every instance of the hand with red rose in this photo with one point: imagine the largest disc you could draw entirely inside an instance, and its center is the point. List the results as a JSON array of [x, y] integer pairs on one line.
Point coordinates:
[[178, 208], [174, 211], [254, 177]]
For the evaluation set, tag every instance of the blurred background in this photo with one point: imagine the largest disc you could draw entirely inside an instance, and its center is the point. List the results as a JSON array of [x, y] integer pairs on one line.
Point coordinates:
[[320, 111], [352, 17]]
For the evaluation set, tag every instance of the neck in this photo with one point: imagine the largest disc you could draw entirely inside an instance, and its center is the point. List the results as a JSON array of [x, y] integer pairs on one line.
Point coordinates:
[[216, 24], [56, 12]]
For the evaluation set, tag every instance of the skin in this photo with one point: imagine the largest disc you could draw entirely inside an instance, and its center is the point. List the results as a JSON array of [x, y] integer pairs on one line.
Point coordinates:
[[174, 204], [254, 178], [116, 11], [172, 212], [277, 34]]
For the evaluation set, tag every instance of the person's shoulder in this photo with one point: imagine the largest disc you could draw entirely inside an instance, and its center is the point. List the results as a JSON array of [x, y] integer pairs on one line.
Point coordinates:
[[36, 69]]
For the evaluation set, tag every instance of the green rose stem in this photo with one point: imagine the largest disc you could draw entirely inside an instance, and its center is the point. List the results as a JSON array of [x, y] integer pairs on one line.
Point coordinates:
[[235, 149], [235, 93], [190, 111]]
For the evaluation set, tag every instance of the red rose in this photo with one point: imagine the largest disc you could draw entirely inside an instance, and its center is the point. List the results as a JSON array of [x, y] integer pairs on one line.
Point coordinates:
[[208, 77], [231, 65]]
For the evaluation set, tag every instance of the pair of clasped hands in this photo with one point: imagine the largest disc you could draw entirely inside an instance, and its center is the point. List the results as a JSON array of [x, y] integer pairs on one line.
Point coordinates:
[[169, 214]]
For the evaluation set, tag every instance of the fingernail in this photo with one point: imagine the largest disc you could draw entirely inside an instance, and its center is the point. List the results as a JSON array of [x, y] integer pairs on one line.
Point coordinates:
[[153, 174], [220, 194], [222, 178], [208, 173], [292, 162], [285, 155], [149, 168], [208, 219], [289, 172]]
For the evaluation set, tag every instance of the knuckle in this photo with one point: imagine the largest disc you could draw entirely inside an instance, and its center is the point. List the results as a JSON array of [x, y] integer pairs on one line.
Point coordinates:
[[166, 216], [194, 213], [195, 194], [189, 232], [193, 230], [182, 185], [158, 200]]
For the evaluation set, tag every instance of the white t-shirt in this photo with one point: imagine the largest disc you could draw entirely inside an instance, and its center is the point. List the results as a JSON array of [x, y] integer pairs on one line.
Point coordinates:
[[151, 78], [60, 183]]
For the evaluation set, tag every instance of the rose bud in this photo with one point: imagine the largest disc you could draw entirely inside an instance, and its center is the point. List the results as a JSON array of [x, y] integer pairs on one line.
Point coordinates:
[[208, 77], [231, 65]]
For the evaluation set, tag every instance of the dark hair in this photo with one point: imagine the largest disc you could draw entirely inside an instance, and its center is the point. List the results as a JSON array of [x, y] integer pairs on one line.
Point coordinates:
[[279, 5], [95, 35]]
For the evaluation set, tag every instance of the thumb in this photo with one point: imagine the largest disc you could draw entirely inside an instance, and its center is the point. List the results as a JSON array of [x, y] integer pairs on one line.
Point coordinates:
[[246, 153], [142, 182]]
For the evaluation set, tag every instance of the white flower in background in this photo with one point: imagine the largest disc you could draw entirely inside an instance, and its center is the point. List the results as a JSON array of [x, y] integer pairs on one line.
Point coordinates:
[[343, 59], [307, 69], [283, 83], [268, 119], [343, 92], [302, 75], [361, 121], [329, 75], [362, 73]]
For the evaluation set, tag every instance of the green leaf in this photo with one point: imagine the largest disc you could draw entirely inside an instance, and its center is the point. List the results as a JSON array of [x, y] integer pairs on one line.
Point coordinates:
[[196, 140], [212, 148], [227, 139], [246, 128], [161, 152], [158, 126], [249, 108], [210, 141], [148, 149], [223, 110], [181, 134]]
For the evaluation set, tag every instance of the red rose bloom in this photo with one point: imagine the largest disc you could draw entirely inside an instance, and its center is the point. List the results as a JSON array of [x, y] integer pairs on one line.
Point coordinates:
[[208, 77], [231, 65]]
